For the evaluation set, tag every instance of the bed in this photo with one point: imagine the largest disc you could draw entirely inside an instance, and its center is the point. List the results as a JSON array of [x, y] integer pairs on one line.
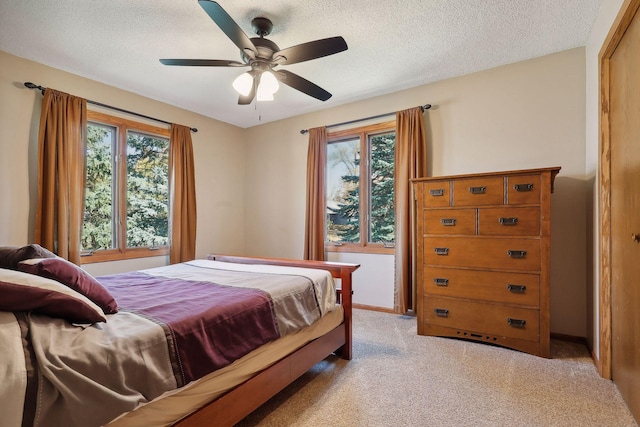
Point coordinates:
[[148, 363]]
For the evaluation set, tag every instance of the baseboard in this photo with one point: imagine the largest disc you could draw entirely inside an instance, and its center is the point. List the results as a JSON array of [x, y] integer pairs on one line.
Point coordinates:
[[373, 308], [569, 338], [596, 361], [585, 342]]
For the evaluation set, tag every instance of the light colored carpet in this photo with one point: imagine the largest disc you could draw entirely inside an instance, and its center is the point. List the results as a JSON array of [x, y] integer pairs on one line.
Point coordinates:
[[397, 378]]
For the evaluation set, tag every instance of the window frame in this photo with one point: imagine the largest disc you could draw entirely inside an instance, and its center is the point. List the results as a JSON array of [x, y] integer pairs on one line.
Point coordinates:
[[362, 132], [122, 252]]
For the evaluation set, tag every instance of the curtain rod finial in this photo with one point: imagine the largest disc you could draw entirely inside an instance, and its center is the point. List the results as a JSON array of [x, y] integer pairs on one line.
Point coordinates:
[[425, 107], [34, 86], [303, 131]]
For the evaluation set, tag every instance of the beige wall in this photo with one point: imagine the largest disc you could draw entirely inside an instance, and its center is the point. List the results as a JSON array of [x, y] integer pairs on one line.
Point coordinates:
[[524, 115], [219, 150], [250, 183]]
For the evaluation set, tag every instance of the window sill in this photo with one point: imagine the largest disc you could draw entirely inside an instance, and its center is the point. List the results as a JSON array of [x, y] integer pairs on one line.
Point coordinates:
[[369, 249], [116, 255]]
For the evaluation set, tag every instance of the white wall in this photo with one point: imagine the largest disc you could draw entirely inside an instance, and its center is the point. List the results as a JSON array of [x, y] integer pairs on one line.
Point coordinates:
[[373, 281], [609, 9], [524, 115], [219, 152]]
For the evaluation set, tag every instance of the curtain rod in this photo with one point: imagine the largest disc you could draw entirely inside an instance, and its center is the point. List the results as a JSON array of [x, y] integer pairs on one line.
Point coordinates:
[[422, 107], [34, 86]]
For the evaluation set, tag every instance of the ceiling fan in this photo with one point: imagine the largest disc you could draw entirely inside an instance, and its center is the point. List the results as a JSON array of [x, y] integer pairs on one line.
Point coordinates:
[[263, 56]]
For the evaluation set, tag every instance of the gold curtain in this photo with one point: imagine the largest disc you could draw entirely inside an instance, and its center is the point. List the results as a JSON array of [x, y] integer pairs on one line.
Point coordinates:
[[61, 173], [410, 163], [182, 196], [315, 212]]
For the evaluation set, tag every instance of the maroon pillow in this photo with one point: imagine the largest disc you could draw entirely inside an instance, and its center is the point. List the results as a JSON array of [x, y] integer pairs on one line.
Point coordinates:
[[27, 292], [71, 275], [10, 256]]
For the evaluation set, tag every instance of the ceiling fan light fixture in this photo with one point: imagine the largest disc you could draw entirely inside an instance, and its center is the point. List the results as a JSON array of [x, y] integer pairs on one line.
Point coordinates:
[[269, 83], [267, 87], [243, 84], [261, 54]]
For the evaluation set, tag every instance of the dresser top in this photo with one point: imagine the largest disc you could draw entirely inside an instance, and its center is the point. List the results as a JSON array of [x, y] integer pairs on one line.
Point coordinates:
[[554, 171]]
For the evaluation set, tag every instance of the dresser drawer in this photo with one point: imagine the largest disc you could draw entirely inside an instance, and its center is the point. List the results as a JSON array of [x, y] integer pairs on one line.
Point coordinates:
[[483, 253], [483, 318], [509, 221], [523, 189], [436, 193], [511, 288], [449, 221], [478, 191]]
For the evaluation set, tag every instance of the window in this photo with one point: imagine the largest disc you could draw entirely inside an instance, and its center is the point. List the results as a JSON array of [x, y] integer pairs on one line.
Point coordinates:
[[360, 189], [126, 211]]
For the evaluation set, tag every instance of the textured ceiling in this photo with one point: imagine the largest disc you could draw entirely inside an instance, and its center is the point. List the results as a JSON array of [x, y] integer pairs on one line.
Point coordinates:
[[393, 45]]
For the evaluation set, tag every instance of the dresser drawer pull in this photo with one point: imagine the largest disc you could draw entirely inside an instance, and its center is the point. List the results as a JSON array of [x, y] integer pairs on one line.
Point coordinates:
[[508, 221], [477, 190], [448, 222], [441, 312], [437, 192], [523, 187], [441, 251], [516, 254], [516, 323], [440, 281], [518, 289]]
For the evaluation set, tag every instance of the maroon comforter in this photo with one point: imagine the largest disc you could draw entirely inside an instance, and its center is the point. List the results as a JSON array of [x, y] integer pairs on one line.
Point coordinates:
[[208, 326]]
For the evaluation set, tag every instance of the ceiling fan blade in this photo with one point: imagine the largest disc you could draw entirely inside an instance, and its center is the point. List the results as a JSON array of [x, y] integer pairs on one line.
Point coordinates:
[[228, 25], [203, 62], [302, 84], [311, 50]]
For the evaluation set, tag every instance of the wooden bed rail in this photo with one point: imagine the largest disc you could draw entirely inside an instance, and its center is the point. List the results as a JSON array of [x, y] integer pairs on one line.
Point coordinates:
[[337, 269], [232, 407]]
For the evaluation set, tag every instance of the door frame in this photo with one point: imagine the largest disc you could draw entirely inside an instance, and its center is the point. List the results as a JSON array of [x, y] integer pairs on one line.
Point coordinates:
[[617, 31]]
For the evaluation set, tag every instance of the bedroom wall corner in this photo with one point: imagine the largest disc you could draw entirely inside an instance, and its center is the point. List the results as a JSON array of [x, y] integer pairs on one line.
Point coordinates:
[[19, 115]]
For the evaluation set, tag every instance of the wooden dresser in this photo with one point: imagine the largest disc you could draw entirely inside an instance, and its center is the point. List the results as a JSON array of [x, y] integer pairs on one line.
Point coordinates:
[[483, 257]]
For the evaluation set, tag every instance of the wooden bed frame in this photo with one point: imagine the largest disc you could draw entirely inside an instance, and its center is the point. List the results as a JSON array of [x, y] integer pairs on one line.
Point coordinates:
[[235, 405]]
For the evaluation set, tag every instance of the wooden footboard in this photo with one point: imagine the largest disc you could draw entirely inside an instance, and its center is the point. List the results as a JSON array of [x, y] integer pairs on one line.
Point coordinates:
[[244, 399]]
